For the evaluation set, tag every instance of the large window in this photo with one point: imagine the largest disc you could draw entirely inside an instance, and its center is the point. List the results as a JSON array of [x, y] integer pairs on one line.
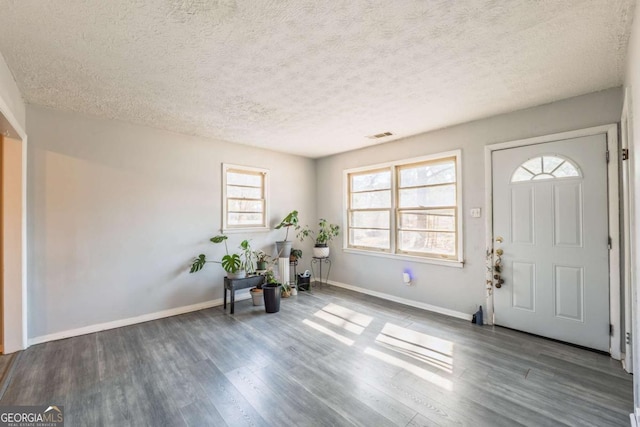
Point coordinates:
[[244, 198], [406, 208]]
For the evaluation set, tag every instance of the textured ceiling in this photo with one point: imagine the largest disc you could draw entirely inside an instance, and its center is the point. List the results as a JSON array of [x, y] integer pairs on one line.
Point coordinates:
[[310, 77]]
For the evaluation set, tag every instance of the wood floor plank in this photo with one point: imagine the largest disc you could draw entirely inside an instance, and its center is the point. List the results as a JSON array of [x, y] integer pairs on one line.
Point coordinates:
[[277, 401], [202, 413], [329, 357], [228, 401]]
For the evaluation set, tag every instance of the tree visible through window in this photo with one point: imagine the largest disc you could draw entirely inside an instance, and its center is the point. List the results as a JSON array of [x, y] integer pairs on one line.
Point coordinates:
[[406, 207], [244, 197]]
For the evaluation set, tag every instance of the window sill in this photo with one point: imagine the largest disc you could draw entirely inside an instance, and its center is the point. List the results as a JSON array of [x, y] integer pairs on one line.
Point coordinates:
[[246, 230], [421, 260]]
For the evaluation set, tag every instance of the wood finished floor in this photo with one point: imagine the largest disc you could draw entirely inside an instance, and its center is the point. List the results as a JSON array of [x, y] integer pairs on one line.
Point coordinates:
[[331, 358]]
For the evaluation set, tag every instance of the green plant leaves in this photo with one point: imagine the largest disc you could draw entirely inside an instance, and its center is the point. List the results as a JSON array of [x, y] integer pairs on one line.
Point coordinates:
[[219, 239], [231, 263], [198, 263], [289, 220]]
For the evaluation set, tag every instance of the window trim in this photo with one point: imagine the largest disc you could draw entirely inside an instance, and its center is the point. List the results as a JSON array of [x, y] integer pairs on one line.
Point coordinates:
[[393, 253], [226, 228]]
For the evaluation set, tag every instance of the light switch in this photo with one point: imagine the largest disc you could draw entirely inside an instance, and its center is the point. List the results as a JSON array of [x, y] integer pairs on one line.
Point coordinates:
[[475, 212]]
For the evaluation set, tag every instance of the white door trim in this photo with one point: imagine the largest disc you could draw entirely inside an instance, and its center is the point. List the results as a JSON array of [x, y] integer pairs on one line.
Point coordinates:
[[15, 332], [628, 227], [611, 131]]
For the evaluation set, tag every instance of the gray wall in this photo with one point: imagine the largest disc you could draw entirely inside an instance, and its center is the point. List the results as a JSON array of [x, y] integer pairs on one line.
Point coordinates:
[[447, 287], [116, 211]]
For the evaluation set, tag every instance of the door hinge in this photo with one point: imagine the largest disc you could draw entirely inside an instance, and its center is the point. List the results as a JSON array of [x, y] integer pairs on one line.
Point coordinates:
[[625, 154], [607, 156], [628, 337], [609, 242], [610, 329]]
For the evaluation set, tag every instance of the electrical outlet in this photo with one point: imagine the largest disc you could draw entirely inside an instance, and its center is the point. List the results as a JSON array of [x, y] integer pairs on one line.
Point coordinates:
[[475, 212]]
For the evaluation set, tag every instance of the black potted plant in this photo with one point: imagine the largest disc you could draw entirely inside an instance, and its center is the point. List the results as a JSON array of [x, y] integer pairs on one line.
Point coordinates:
[[326, 233], [272, 292], [284, 247]]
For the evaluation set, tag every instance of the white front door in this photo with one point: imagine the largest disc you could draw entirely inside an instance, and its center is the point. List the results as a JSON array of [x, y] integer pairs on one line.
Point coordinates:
[[550, 207]]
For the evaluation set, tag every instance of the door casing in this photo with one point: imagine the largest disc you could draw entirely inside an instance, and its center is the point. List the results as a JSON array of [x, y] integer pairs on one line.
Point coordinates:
[[611, 131], [14, 298]]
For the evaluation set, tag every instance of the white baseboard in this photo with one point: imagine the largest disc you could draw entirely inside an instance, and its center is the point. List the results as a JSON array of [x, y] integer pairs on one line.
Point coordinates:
[[417, 304], [634, 421], [217, 302], [133, 320]]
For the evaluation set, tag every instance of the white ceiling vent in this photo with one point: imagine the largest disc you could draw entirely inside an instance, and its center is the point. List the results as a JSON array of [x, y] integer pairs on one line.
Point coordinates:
[[380, 135]]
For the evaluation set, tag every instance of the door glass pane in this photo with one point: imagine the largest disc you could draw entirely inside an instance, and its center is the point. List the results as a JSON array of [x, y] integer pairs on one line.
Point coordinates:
[[371, 181], [566, 170], [521, 174], [371, 200], [427, 242], [436, 219], [547, 167], [550, 163], [534, 165], [442, 195], [370, 219], [376, 239], [428, 174], [543, 176]]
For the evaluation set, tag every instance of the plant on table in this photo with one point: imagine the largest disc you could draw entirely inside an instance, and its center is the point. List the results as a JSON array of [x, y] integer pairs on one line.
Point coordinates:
[[261, 259], [233, 264], [326, 233]]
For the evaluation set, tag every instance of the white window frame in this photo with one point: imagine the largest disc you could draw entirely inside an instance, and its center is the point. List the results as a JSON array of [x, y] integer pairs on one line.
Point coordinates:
[[226, 228], [393, 253]]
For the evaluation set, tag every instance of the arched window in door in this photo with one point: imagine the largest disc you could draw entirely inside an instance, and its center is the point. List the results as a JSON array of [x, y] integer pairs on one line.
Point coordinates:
[[545, 167]]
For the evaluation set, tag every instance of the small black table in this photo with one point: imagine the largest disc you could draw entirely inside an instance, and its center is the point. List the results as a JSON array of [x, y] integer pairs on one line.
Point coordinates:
[[232, 285]]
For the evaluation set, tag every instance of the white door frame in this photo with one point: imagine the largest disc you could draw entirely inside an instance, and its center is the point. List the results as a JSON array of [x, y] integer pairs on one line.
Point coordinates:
[[15, 294], [611, 131], [628, 230]]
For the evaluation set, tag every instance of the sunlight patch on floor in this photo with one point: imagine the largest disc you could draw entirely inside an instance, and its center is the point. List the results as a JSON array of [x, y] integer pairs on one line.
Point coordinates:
[[425, 348], [328, 332], [349, 315], [339, 321], [411, 368]]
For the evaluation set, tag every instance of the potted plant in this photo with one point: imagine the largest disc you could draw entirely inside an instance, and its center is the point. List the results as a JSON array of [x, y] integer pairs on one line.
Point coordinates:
[[285, 290], [326, 233], [295, 255], [232, 263], [249, 261], [272, 292], [257, 295], [284, 247], [262, 260]]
